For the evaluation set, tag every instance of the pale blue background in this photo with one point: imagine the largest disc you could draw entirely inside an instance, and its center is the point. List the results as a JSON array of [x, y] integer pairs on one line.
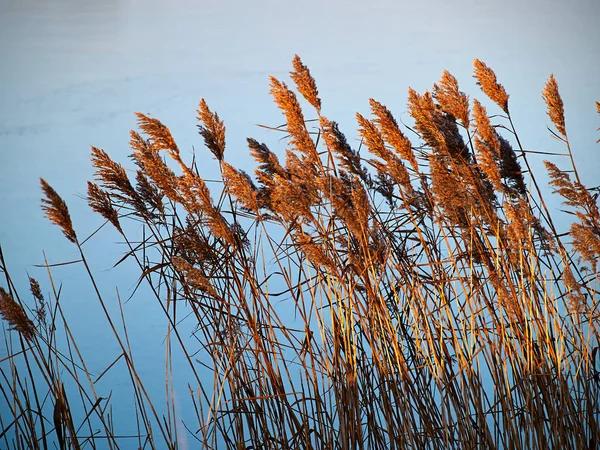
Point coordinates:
[[72, 72]]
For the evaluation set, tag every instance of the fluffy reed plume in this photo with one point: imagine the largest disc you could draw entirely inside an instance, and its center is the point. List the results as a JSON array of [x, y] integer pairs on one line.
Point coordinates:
[[240, 185], [288, 103], [100, 202], [315, 253], [375, 143], [520, 224], [149, 193], [212, 130], [510, 169], [451, 99], [586, 235], [160, 137], [336, 142], [148, 159], [40, 308], [486, 79], [268, 162], [450, 195], [15, 315], [391, 132], [438, 129], [554, 104], [339, 192], [193, 276], [56, 211], [305, 83], [487, 145], [112, 174]]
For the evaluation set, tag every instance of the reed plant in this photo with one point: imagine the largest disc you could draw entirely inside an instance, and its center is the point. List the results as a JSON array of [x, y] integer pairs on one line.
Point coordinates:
[[403, 293]]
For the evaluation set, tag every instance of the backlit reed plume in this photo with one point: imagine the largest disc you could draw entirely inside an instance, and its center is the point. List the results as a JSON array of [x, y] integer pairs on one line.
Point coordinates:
[[40, 308], [111, 173], [305, 83], [15, 315], [315, 253], [510, 168], [212, 130], [56, 211], [555, 106], [486, 79], [487, 145], [586, 234], [115, 179], [288, 103], [149, 160], [437, 128], [240, 185], [374, 141], [159, 134], [100, 202], [149, 193], [451, 99], [391, 133], [336, 142]]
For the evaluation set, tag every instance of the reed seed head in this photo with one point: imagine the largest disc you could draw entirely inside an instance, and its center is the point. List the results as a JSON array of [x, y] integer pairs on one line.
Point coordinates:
[[56, 210], [305, 83], [554, 104], [451, 99], [101, 203], [212, 130], [486, 78], [15, 315]]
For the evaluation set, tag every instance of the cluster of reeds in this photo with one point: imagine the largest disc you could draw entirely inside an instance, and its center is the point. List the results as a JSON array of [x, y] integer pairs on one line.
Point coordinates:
[[405, 294]]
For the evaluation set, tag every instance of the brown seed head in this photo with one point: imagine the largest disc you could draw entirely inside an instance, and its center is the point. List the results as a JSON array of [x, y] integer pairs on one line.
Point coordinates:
[[159, 134], [391, 133], [451, 99], [288, 103], [56, 210], [555, 105], [305, 83], [486, 78], [100, 202], [240, 186], [212, 130], [15, 315]]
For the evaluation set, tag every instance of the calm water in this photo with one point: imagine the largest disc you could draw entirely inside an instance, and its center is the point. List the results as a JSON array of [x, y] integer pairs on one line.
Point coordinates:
[[73, 72]]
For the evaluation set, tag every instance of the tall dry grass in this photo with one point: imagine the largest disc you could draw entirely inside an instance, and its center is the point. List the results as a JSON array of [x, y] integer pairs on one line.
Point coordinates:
[[405, 294]]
